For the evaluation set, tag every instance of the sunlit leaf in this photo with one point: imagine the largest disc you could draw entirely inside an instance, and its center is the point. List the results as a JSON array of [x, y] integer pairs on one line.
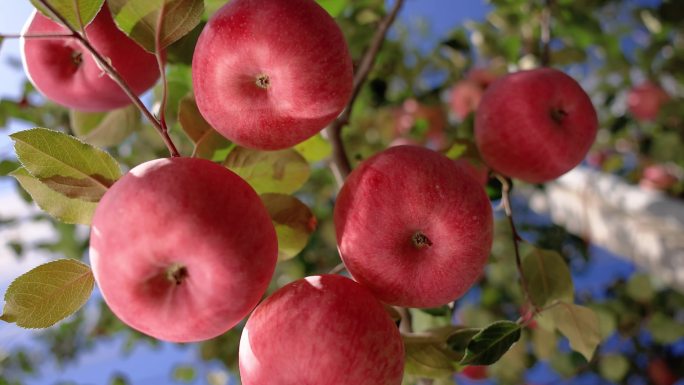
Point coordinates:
[[184, 373], [487, 346], [429, 357], [640, 288], [105, 129], [139, 19], [283, 171], [548, 277], [293, 220], [78, 13], [544, 343], [334, 7], [579, 325], [613, 367], [48, 293], [66, 164], [664, 329], [68, 210], [314, 149], [206, 139]]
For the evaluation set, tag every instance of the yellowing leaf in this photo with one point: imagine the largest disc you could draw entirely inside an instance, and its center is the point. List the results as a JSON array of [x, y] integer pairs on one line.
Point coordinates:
[[314, 149], [548, 277], [78, 13], [66, 164], [283, 171], [68, 210], [48, 293], [579, 325], [139, 19], [206, 139], [293, 220], [105, 129]]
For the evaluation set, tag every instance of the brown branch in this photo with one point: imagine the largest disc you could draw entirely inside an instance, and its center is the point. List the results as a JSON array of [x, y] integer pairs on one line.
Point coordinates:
[[114, 75], [507, 186], [37, 36], [546, 34], [341, 165]]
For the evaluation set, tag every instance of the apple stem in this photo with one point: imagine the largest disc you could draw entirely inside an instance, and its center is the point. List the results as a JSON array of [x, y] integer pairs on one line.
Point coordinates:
[[36, 36], [176, 273], [545, 25], [507, 186], [341, 165], [116, 77]]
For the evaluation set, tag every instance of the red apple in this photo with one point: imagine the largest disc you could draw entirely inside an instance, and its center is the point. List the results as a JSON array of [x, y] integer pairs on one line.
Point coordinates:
[[413, 227], [465, 97], [644, 101], [482, 76], [66, 73], [475, 169], [321, 330], [657, 177], [182, 249], [660, 373], [475, 372], [269, 74], [535, 125]]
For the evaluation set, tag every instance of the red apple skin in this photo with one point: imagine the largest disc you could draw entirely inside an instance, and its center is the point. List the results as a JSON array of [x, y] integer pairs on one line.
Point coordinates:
[[475, 372], [297, 45], [182, 212], [413, 227], [54, 71], [475, 169], [535, 125], [660, 373], [465, 97], [321, 330], [644, 101]]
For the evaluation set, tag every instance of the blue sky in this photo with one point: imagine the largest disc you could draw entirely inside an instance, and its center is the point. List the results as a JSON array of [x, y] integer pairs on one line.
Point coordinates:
[[144, 365]]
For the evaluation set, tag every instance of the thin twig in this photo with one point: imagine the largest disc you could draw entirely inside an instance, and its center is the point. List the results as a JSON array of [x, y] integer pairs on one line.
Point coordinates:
[[508, 210], [546, 33], [114, 75], [341, 165], [338, 269], [36, 36]]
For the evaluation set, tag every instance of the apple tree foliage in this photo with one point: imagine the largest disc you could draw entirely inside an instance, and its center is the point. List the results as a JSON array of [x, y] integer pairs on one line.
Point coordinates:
[[71, 158]]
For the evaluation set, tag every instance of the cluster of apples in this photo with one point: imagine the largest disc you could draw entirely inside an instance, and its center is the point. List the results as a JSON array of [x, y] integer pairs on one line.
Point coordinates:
[[183, 249]]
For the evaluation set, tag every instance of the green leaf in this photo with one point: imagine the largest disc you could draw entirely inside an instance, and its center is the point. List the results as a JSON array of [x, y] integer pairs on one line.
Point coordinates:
[[283, 171], [184, 374], [665, 329], [548, 277], [105, 129], [491, 343], [68, 210], [78, 13], [139, 19], [613, 367], [579, 325], [48, 294], [314, 149], [334, 7], [7, 166], [65, 164], [458, 341], [429, 357], [544, 343], [206, 139], [640, 288], [293, 220]]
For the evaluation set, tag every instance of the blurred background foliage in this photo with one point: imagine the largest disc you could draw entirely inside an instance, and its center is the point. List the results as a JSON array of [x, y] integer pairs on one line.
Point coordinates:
[[610, 46]]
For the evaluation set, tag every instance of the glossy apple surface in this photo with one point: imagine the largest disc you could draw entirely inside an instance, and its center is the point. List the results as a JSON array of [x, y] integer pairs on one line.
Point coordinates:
[[413, 227], [182, 249], [321, 330], [268, 74], [645, 100], [535, 125], [65, 72]]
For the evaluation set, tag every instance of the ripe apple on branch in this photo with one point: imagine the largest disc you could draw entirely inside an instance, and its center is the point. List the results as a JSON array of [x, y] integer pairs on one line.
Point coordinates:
[[183, 249]]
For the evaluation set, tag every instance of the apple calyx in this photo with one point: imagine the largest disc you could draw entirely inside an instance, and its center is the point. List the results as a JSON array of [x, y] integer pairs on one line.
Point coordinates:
[[558, 115], [420, 240], [263, 81], [77, 58], [176, 273]]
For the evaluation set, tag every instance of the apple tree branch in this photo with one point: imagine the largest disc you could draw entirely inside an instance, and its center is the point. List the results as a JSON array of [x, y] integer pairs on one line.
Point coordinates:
[[341, 165]]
